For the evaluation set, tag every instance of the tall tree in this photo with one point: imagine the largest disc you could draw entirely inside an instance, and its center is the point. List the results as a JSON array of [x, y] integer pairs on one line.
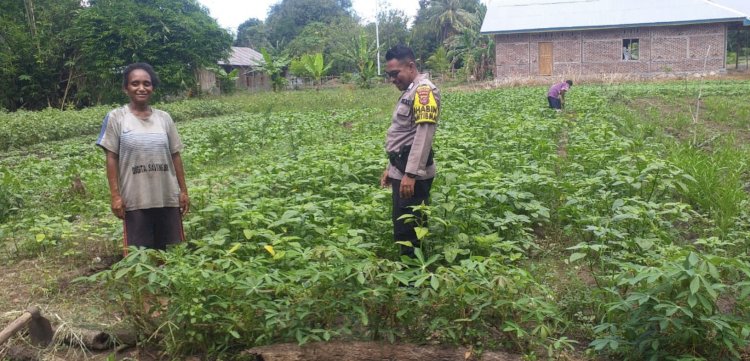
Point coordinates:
[[423, 37], [287, 18], [451, 17], [253, 33], [177, 37], [394, 28], [438, 20], [474, 52], [314, 38], [36, 52], [330, 39]]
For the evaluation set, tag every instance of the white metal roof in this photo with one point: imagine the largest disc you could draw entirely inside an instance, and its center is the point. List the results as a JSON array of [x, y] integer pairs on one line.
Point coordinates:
[[529, 16], [243, 57], [742, 6]]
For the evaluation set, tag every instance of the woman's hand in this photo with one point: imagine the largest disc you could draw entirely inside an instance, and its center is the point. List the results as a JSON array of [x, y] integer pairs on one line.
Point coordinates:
[[118, 206], [184, 203]]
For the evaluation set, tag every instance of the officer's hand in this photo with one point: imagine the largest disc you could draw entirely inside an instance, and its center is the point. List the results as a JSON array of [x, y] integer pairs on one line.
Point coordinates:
[[407, 187], [384, 181]]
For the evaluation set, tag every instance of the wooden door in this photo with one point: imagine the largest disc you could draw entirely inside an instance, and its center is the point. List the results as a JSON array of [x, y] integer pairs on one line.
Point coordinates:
[[545, 58]]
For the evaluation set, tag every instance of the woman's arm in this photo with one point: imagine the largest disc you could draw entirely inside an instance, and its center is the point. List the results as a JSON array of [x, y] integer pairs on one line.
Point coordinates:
[[117, 204], [180, 171]]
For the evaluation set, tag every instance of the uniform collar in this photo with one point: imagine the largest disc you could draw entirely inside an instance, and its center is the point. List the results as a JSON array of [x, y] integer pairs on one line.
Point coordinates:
[[416, 80]]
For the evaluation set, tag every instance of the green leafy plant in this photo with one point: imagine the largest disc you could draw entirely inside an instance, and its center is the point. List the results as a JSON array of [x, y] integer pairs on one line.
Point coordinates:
[[274, 67], [674, 310], [227, 81], [361, 52], [315, 67], [543, 227], [439, 62]]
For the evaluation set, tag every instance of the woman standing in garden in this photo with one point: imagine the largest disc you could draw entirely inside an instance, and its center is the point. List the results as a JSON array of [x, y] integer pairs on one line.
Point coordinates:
[[144, 168]]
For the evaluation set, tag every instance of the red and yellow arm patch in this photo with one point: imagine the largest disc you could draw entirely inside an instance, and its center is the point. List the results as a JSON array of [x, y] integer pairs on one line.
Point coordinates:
[[425, 106]]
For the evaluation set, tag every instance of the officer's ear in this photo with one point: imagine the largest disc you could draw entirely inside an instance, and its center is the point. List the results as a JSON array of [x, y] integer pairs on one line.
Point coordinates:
[[412, 66]]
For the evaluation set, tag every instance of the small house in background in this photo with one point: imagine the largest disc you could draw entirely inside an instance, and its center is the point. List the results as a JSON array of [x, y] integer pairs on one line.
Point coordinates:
[[249, 77], [584, 38], [247, 61]]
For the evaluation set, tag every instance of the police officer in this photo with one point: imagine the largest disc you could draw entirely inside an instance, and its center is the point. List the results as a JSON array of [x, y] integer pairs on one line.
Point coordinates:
[[411, 168]]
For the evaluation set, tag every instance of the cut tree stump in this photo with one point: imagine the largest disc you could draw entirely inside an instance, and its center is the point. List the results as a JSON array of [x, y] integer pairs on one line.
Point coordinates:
[[370, 351]]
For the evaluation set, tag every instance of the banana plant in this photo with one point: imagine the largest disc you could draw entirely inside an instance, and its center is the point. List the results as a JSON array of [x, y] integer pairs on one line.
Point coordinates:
[[315, 67]]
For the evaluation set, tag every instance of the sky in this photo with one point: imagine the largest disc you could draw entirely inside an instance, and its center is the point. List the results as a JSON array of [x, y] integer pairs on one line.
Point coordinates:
[[232, 13]]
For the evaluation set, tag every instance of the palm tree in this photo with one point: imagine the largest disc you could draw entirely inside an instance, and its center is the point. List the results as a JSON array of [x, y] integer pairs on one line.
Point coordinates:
[[474, 51], [439, 63], [453, 16]]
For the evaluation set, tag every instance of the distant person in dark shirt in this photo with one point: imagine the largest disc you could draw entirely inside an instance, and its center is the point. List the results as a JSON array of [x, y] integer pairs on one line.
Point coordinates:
[[556, 94]]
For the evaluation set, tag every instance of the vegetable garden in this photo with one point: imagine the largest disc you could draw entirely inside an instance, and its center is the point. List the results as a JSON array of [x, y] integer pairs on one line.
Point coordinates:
[[617, 229]]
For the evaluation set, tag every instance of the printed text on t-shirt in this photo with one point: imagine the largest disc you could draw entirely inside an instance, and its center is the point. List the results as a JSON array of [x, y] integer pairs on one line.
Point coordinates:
[[137, 169]]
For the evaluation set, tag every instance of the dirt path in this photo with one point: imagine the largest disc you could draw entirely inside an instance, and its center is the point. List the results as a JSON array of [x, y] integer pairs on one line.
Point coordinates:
[[372, 351], [48, 283]]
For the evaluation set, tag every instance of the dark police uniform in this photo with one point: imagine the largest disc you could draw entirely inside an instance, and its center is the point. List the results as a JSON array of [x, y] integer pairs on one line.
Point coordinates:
[[409, 147]]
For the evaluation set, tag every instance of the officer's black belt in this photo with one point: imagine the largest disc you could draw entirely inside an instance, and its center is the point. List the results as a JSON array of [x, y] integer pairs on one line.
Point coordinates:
[[400, 158]]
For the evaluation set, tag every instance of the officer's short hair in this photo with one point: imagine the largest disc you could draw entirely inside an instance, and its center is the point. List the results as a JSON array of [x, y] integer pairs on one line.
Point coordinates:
[[570, 82], [401, 53]]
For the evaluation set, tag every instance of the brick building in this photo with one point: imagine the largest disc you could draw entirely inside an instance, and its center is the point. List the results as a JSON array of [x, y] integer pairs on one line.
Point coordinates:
[[580, 38]]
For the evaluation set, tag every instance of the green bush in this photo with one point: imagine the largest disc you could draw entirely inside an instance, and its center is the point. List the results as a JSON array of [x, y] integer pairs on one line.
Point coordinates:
[[10, 201], [226, 296], [24, 128], [674, 310]]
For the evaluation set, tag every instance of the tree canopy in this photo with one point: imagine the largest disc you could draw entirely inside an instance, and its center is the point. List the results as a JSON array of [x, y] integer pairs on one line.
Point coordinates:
[[253, 33], [36, 52], [299, 27], [64, 53], [177, 37], [60, 52], [288, 18]]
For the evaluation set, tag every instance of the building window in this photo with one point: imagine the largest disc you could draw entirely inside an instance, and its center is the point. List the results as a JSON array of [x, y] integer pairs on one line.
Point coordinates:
[[630, 49]]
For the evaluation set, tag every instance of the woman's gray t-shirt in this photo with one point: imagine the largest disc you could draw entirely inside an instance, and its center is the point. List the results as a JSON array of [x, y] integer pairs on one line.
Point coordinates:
[[147, 177]]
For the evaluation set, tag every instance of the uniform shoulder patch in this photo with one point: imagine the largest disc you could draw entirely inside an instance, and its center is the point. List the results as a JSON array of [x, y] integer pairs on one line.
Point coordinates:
[[425, 106]]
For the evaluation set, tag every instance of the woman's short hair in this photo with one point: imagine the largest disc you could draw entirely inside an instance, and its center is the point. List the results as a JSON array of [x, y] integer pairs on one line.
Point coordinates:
[[143, 66]]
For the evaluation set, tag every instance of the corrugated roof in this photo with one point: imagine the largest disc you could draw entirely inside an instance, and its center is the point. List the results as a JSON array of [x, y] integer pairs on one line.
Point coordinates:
[[243, 57], [527, 16]]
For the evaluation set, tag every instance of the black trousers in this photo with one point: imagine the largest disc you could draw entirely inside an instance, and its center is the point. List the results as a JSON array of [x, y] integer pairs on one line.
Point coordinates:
[[154, 228], [405, 231]]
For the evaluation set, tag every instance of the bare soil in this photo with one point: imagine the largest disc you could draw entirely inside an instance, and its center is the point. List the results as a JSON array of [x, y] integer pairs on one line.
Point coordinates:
[[48, 282], [371, 351]]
